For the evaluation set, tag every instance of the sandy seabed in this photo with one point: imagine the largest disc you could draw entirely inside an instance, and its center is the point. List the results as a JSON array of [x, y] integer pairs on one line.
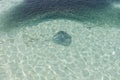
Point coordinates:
[[28, 53], [31, 53]]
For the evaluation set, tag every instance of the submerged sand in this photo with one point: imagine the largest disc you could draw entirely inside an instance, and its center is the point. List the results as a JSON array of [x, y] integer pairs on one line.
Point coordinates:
[[31, 54]]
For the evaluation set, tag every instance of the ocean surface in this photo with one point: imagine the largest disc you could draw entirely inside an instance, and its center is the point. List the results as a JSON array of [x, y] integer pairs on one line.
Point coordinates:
[[27, 49]]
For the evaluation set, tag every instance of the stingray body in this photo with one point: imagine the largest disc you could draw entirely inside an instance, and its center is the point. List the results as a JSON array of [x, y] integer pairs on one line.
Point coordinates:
[[43, 6], [50, 9]]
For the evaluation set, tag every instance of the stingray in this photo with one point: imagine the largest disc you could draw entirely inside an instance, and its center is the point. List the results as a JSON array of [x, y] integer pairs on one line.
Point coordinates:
[[62, 38], [36, 11]]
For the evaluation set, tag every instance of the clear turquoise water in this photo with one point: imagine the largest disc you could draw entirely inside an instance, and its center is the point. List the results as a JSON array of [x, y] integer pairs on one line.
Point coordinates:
[[27, 51]]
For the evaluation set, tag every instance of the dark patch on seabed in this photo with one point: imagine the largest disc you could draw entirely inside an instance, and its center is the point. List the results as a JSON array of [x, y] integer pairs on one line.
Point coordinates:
[[35, 11]]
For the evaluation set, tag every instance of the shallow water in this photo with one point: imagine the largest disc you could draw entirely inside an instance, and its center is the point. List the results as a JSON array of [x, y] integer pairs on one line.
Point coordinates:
[[27, 51]]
